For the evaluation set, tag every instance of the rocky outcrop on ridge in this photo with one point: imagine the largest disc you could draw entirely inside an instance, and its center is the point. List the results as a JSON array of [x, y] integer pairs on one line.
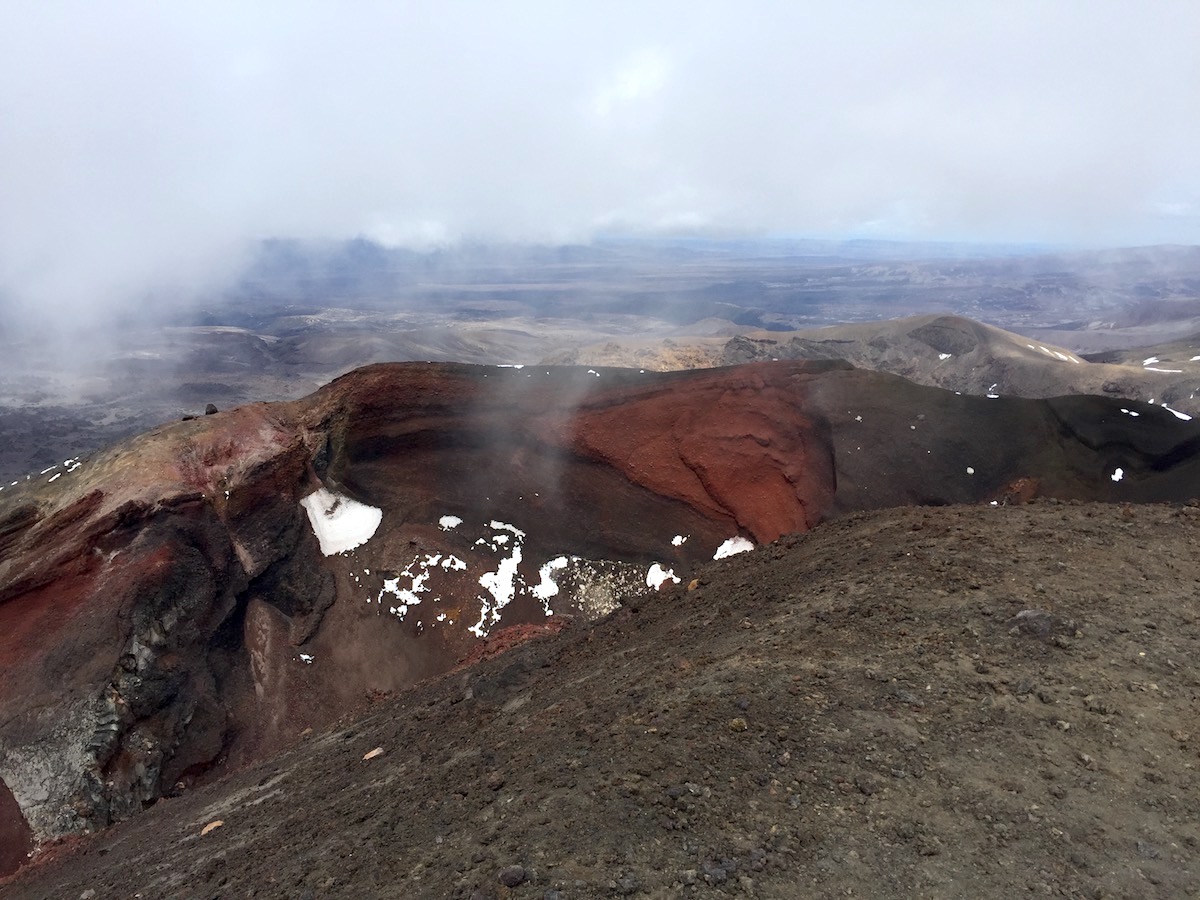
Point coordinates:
[[198, 597], [959, 354]]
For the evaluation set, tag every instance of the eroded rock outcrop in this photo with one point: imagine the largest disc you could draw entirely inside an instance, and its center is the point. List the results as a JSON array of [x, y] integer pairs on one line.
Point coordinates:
[[168, 609]]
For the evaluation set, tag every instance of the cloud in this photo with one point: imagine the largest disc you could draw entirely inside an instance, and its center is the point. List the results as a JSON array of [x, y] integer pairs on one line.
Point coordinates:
[[142, 144], [636, 82]]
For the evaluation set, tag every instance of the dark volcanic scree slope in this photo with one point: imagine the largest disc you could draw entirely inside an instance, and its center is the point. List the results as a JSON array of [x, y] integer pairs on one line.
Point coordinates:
[[195, 598], [957, 702]]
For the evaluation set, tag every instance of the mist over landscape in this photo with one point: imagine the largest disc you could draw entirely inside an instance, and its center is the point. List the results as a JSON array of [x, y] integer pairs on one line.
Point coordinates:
[[147, 147], [530, 450]]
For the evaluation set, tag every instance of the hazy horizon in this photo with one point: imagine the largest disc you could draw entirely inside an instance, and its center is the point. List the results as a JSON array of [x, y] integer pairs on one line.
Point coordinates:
[[146, 147]]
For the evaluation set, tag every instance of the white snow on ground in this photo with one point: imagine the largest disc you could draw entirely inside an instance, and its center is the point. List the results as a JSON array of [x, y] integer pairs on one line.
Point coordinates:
[[1130, 412], [417, 575], [658, 575], [511, 366], [448, 522], [407, 596], [945, 355], [498, 540], [1167, 371], [1176, 413], [593, 372], [340, 523], [1061, 356], [307, 658], [679, 539], [732, 547], [56, 475], [992, 395], [546, 588], [1194, 358], [1118, 474], [1149, 360], [501, 584], [970, 470]]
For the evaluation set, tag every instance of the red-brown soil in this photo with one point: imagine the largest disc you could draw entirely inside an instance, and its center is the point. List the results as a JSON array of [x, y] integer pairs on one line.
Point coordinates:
[[957, 702], [168, 616]]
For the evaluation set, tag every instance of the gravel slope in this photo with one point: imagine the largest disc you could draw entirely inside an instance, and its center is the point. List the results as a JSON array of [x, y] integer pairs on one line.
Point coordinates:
[[951, 702]]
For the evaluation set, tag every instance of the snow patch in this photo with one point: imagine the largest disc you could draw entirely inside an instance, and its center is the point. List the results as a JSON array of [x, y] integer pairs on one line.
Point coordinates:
[[1118, 474], [1166, 371], [340, 523], [732, 547], [407, 596], [679, 539], [1150, 360], [945, 355], [446, 523], [657, 576], [970, 470], [1176, 413], [501, 584], [546, 588]]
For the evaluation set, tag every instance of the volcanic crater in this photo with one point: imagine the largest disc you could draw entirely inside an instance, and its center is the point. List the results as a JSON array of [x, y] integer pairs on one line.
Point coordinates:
[[197, 598]]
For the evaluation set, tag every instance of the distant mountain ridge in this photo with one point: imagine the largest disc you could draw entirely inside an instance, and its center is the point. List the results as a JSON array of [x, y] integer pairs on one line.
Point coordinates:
[[962, 355]]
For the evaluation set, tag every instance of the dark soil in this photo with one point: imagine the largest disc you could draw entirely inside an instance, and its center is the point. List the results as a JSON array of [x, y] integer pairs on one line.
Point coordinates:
[[953, 702]]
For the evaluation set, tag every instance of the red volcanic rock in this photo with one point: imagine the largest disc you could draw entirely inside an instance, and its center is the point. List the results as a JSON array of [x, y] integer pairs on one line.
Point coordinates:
[[738, 443], [16, 838], [506, 638], [166, 611]]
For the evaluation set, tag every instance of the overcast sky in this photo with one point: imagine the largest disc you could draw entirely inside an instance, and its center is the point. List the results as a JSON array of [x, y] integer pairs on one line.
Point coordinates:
[[143, 143]]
